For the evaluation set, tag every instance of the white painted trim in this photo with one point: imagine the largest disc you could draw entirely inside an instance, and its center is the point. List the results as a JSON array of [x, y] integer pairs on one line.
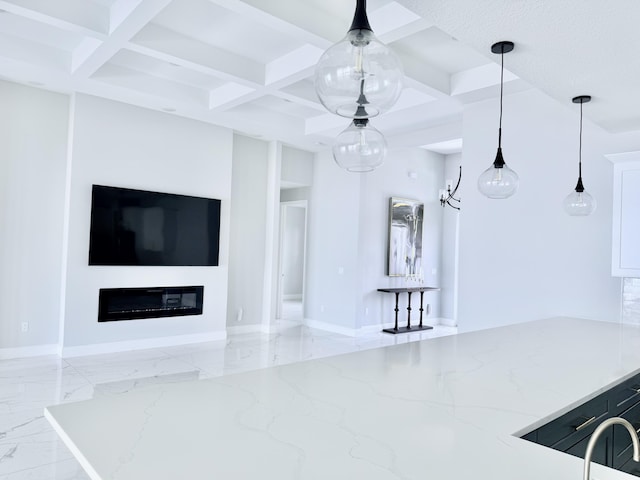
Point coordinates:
[[272, 206], [619, 169], [623, 157], [62, 313], [448, 322], [144, 343], [31, 351]]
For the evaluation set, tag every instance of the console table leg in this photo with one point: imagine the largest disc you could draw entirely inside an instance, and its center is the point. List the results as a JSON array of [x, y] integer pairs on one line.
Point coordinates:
[[409, 310], [421, 309], [396, 310]]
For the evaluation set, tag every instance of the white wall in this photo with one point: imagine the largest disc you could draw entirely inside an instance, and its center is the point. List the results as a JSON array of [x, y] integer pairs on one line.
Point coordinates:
[[332, 268], [297, 167], [523, 258], [248, 231], [33, 157], [125, 146], [450, 239], [348, 236]]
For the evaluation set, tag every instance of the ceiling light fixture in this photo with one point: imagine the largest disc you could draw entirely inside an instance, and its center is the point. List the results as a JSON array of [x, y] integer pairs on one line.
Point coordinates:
[[360, 148], [359, 71], [579, 202], [499, 181]]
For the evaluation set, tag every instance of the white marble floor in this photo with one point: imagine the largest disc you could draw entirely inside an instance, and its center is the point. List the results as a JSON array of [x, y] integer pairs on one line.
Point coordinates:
[[29, 448]]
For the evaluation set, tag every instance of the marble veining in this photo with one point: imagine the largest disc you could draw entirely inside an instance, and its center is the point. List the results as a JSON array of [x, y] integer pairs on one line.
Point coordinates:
[[446, 408], [31, 450]]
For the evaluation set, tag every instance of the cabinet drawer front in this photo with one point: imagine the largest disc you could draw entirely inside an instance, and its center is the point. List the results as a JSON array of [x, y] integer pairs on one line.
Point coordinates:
[[601, 450], [622, 447], [623, 396], [574, 425]]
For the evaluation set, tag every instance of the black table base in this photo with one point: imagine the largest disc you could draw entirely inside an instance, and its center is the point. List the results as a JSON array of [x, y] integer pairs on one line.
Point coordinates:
[[407, 329], [408, 291]]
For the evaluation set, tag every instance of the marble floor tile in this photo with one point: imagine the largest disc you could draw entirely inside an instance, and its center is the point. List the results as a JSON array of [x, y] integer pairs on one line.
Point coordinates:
[[30, 449]]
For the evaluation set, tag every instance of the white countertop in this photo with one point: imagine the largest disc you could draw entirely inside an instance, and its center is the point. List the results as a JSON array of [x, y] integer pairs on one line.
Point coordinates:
[[439, 409]]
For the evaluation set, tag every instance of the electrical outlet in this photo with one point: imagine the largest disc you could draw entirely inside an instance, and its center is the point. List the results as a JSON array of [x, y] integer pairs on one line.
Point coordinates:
[[239, 315], [24, 327], [366, 311], [428, 309]]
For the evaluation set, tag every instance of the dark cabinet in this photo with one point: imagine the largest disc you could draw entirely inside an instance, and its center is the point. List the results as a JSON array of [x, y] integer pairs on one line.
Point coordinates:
[[570, 428], [623, 448], [570, 433]]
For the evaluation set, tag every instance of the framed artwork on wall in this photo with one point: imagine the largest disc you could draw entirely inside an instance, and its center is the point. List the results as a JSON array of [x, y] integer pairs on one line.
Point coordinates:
[[405, 238]]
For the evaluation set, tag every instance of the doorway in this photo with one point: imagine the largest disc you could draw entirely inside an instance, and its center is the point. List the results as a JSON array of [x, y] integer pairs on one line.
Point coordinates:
[[293, 253]]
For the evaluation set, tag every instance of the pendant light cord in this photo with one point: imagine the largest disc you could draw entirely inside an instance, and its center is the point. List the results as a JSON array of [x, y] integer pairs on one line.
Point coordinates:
[[580, 148], [501, 90]]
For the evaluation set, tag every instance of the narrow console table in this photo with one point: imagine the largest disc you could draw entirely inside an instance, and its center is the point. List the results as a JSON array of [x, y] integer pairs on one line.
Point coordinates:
[[409, 291]]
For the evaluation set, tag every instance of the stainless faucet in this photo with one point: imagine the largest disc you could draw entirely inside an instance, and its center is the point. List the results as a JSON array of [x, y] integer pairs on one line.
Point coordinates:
[[598, 431]]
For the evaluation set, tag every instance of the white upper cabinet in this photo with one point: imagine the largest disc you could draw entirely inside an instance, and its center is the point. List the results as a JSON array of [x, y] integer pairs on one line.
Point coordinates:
[[626, 218]]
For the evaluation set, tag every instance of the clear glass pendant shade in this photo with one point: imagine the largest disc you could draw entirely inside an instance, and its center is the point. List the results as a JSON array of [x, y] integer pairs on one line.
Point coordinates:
[[358, 71], [498, 183], [359, 148], [579, 204]]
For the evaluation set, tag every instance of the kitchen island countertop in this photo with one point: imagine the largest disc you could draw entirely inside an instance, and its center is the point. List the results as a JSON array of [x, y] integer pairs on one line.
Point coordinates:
[[448, 408]]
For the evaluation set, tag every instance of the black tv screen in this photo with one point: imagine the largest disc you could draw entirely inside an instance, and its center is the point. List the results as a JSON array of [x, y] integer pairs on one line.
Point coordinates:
[[136, 227]]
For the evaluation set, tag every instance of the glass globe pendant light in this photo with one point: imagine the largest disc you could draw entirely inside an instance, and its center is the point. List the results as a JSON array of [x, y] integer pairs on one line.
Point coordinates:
[[359, 70], [499, 181], [579, 202], [359, 148]]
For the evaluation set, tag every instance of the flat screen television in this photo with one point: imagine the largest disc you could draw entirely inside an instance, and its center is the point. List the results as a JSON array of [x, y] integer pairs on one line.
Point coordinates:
[[136, 227]]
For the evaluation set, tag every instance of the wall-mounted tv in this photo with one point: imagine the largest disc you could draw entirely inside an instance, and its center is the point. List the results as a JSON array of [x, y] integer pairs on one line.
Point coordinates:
[[136, 227]]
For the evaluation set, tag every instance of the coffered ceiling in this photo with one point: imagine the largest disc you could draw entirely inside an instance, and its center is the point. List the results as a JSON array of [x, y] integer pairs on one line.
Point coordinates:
[[248, 64]]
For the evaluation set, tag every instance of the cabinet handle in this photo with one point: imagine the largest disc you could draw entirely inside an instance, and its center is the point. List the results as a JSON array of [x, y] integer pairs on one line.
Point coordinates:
[[635, 388], [585, 424]]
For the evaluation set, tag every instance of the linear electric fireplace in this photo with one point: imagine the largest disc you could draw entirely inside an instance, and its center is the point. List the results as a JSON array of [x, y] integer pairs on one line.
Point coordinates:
[[136, 303]]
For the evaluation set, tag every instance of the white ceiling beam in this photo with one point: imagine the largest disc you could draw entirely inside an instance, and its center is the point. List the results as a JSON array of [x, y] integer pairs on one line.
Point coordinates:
[[324, 123], [172, 92], [292, 67], [49, 16], [195, 66], [258, 13], [404, 31], [129, 26], [27, 52], [229, 66], [315, 104], [444, 132], [231, 95], [480, 77], [425, 77], [83, 51], [120, 11], [318, 27]]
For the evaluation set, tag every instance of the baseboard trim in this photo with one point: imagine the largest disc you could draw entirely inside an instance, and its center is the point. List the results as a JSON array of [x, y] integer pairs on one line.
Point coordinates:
[[330, 327], [30, 351], [448, 322], [142, 344]]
